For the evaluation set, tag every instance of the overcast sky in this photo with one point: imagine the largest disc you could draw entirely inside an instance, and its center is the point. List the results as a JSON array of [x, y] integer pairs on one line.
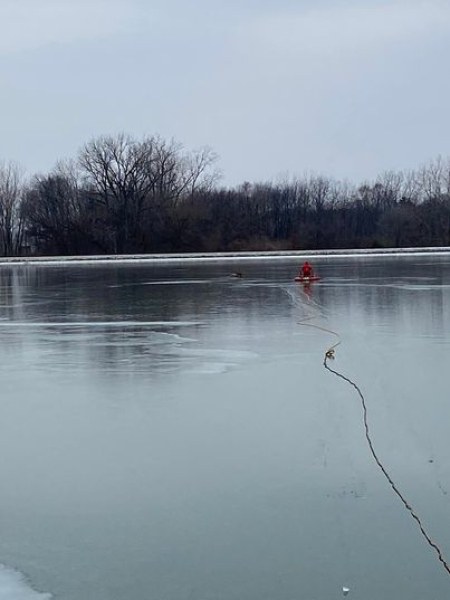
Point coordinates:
[[275, 87]]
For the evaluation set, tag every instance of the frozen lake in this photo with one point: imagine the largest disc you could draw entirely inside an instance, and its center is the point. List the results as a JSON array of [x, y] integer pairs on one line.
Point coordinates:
[[169, 432]]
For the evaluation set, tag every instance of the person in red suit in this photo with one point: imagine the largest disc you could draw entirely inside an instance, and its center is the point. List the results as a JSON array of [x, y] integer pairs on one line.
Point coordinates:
[[307, 270]]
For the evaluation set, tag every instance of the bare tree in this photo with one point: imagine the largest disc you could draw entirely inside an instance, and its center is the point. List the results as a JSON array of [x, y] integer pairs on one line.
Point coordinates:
[[141, 183], [59, 217], [11, 195], [115, 170]]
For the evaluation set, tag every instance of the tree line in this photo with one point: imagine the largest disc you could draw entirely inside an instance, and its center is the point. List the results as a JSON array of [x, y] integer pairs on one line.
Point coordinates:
[[122, 195]]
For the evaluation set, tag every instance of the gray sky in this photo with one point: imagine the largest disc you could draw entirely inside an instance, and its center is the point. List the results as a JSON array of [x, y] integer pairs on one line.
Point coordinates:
[[275, 87]]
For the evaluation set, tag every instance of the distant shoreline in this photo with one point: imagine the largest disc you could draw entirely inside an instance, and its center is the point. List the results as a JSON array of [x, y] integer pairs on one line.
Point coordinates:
[[223, 256]]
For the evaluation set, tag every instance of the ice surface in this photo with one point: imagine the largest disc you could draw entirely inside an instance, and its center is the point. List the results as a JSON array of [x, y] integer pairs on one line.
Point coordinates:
[[121, 324], [185, 440], [14, 587]]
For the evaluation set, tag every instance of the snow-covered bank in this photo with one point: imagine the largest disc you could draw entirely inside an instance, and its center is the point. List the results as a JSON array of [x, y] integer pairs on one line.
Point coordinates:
[[232, 256], [14, 587]]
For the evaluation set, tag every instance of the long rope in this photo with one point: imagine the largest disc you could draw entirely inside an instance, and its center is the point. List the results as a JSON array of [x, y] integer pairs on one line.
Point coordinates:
[[329, 354]]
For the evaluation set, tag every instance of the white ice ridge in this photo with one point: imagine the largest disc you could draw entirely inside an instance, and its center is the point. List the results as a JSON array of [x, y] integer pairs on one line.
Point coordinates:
[[100, 323], [222, 256], [13, 586]]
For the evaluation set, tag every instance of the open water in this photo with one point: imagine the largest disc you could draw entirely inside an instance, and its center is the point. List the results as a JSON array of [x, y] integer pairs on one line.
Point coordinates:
[[168, 432]]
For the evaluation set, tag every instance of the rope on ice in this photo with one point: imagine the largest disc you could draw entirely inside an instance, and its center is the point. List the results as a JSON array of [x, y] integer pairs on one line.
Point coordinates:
[[329, 354]]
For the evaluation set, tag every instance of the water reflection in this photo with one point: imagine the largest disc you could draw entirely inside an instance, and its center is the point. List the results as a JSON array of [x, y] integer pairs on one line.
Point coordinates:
[[160, 318]]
